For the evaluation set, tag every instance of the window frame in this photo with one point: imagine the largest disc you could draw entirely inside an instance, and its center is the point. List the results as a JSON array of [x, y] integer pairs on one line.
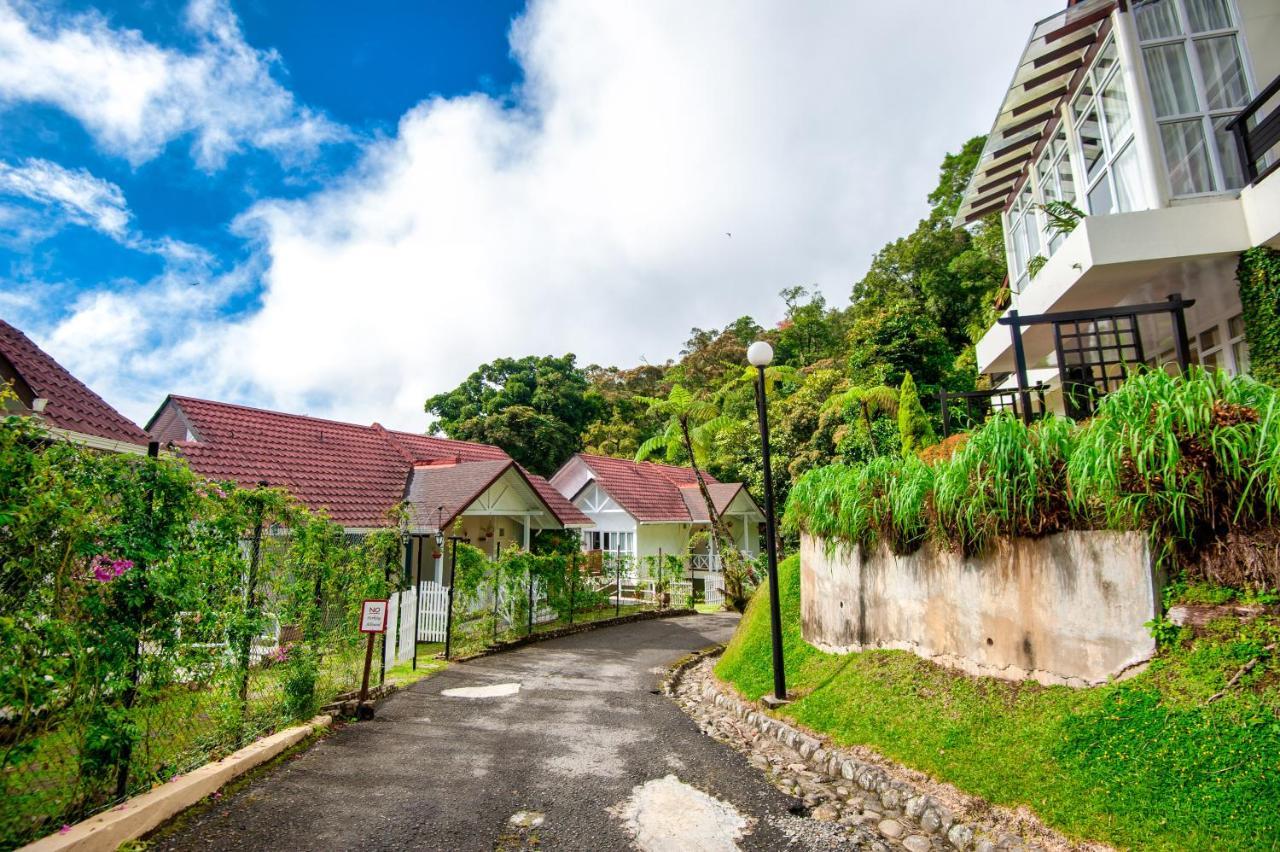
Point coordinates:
[[1187, 41], [1092, 87]]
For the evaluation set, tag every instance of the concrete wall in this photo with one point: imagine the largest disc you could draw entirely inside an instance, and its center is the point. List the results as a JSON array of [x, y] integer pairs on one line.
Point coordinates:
[[1065, 609]]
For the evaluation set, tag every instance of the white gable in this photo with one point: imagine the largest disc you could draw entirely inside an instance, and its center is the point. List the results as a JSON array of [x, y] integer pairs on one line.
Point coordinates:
[[605, 514]]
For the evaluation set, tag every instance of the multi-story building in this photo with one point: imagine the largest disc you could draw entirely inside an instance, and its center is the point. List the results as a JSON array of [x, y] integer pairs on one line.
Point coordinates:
[[1157, 121]]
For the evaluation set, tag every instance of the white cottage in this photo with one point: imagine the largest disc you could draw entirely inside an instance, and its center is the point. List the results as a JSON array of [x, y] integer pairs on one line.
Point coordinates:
[[640, 509]]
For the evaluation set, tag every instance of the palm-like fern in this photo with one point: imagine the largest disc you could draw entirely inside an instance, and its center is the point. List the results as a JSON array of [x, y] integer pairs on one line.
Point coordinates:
[[691, 425], [869, 401]]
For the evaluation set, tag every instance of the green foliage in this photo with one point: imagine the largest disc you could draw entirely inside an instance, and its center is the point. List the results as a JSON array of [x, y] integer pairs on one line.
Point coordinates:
[[1146, 763], [1062, 216], [1259, 277], [132, 596], [1188, 458], [914, 428], [885, 345], [535, 408], [1191, 459], [1035, 264]]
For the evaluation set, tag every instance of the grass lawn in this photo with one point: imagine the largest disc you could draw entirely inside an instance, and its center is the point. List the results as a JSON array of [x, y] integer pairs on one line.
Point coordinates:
[[1146, 763]]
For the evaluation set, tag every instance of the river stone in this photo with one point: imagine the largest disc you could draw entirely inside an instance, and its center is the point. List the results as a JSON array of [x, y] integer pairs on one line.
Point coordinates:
[[917, 843], [890, 828]]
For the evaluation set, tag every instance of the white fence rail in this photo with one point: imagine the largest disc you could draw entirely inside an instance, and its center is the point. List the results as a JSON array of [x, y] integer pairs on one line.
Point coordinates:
[[433, 612]]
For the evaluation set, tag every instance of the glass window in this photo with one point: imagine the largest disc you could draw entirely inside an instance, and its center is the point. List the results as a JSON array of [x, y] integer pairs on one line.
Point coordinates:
[[1224, 142], [1205, 15], [1115, 110], [1156, 19], [1066, 187], [1084, 100], [1235, 326], [1187, 157], [1224, 81], [1095, 157], [1209, 339], [1194, 75], [1169, 74], [1100, 198], [1127, 174]]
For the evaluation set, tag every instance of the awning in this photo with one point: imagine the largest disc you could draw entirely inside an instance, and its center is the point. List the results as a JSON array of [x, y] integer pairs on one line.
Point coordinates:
[[1055, 52]]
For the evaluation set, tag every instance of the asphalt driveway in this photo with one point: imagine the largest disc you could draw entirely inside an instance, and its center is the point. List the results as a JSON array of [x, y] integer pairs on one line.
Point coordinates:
[[554, 765]]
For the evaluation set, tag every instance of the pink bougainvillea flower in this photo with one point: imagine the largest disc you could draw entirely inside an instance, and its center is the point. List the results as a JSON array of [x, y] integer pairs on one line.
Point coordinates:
[[105, 568], [65, 828]]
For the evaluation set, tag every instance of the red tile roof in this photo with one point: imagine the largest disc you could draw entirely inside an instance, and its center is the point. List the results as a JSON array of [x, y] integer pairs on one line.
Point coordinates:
[[655, 492], [722, 495], [357, 474], [71, 405], [569, 514]]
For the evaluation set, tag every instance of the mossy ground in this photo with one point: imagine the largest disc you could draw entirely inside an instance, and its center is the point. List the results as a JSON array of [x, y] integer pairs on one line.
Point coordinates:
[[1147, 763]]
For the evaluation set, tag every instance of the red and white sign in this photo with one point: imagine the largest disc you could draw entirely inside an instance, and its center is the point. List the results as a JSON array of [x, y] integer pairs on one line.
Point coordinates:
[[373, 616]]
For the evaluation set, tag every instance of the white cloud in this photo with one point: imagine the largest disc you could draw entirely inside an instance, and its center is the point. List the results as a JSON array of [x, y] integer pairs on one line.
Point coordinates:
[[136, 97], [74, 196], [591, 217]]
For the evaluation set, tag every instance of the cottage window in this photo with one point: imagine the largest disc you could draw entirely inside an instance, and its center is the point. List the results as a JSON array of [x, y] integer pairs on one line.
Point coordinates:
[[1191, 53], [612, 542]]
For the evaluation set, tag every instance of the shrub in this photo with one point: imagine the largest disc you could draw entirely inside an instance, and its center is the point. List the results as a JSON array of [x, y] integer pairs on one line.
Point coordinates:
[[913, 424], [1191, 459], [1194, 460], [1008, 479]]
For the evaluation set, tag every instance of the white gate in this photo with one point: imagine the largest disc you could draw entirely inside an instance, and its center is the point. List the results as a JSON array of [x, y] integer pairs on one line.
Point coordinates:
[[433, 611], [398, 641], [713, 588]]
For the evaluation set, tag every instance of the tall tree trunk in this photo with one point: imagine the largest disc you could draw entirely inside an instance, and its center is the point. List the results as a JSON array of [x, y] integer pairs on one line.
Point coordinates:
[[723, 540]]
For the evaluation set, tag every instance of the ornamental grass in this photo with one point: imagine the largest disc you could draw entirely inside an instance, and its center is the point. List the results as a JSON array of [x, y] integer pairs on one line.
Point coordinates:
[[1194, 460]]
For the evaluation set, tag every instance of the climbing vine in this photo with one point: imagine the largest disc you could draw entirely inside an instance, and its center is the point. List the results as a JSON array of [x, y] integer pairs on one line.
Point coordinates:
[[1259, 278]]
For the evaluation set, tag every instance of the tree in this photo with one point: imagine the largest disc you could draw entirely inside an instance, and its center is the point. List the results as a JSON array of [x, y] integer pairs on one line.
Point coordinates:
[[624, 422], [952, 276], [809, 332], [886, 344], [913, 424], [691, 424], [866, 400], [534, 408]]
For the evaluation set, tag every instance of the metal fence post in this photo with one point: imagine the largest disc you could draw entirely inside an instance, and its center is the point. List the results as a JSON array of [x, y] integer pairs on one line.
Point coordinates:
[[497, 580], [573, 582], [529, 570], [1180, 344], [448, 618], [1020, 364]]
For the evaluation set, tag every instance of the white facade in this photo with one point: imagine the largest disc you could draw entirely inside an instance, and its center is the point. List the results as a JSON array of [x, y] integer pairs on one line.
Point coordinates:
[[1138, 144]]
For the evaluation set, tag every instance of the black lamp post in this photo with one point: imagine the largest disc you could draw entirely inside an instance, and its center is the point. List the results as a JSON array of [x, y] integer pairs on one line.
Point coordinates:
[[760, 354]]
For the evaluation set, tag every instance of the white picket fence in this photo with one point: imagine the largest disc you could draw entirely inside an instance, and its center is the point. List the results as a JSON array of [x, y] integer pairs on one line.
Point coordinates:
[[433, 611]]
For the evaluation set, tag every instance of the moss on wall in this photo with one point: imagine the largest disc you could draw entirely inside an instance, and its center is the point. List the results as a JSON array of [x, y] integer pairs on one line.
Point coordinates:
[[1259, 278]]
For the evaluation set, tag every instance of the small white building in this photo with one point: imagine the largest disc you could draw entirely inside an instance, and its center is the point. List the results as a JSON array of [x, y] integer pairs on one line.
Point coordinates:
[[642, 509], [1127, 110]]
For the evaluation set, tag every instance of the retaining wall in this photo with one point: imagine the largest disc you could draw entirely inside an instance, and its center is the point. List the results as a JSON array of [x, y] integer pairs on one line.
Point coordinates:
[[1065, 609]]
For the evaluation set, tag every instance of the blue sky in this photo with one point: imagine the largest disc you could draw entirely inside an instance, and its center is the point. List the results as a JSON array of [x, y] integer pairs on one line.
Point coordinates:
[[343, 208]]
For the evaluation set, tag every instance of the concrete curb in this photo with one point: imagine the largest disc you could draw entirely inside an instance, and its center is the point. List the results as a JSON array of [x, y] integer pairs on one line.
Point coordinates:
[[140, 814], [934, 817], [572, 629]]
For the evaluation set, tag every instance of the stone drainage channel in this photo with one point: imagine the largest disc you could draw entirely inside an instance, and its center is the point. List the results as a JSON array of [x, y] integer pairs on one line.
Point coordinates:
[[898, 807]]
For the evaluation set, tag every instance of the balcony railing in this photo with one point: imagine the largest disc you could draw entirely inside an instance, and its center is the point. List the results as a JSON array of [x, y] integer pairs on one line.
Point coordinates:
[[970, 409], [1254, 143]]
